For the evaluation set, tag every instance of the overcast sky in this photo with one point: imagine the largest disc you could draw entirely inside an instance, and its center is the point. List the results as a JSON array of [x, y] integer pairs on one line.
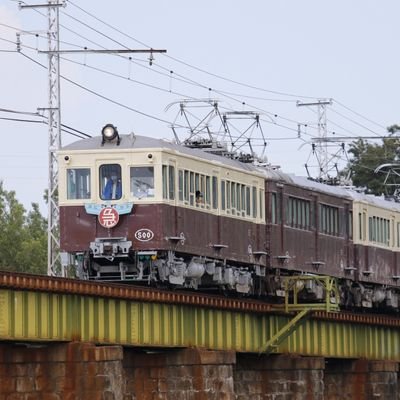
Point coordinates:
[[259, 56]]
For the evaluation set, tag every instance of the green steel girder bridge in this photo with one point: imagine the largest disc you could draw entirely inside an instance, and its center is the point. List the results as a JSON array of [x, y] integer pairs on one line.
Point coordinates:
[[41, 309]]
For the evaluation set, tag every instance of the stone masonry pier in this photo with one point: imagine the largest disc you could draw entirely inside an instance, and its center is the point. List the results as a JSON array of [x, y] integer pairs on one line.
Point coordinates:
[[83, 371]]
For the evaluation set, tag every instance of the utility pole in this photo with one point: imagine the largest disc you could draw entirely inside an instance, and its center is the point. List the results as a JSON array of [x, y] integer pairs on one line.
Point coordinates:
[[321, 146], [54, 126], [54, 134]]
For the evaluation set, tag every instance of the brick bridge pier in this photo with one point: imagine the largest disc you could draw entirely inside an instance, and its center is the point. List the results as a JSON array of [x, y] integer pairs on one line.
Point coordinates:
[[83, 371]]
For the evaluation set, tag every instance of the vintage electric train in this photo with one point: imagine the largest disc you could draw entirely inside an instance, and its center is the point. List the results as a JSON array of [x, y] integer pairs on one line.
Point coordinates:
[[139, 209]]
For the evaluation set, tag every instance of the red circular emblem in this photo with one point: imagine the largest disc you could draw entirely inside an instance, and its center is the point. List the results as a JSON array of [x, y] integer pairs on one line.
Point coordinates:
[[108, 217]]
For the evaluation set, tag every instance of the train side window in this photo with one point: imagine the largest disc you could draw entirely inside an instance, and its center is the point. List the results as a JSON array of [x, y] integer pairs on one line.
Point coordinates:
[[379, 230], [171, 182], [233, 196], [289, 212], [168, 176], [254, 195], [350, 225], [228, 196], [186, 186], [238, 199], [78, 183], [214, 192], [208, 199], [248, 203], [223, 195], [329, 220], [371, 229], [261, 195], [398, 234], [180, 185], [274, 218], [392, 233], [110, 182], [197, 190], [164, 182], [243, 199], [191, 188], [142, 182], [308, 224], [202, 190]]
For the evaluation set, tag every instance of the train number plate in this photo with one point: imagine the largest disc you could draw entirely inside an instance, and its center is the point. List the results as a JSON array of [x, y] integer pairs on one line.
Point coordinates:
[[144, 235]]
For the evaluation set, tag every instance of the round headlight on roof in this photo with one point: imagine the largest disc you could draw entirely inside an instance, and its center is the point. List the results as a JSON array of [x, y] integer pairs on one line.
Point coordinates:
[[109, 132]]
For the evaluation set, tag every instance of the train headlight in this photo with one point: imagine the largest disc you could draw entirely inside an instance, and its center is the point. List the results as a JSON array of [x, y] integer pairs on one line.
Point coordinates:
[[109, 133]]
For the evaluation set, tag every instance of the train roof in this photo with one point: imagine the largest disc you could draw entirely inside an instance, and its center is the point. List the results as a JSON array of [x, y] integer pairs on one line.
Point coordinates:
[[338, 191], [132, 141]]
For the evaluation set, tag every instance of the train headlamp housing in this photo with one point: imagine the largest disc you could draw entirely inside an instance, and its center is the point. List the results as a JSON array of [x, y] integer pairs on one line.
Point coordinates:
[[109, 133]]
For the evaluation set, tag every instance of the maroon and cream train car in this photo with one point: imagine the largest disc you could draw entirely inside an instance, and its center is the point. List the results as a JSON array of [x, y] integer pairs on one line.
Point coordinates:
[[310, 226], [142, 209], [326, 230]]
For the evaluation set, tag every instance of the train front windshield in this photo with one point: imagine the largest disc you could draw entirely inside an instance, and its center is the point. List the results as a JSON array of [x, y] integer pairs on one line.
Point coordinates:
[[110, 182]]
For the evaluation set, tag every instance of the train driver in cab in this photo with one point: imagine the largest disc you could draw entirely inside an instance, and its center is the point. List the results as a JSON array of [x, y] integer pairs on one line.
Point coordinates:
[[113, 188]]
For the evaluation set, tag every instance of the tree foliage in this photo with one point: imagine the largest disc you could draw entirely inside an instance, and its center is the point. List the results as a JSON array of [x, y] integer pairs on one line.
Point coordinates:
[[23, 236], [366, 157]]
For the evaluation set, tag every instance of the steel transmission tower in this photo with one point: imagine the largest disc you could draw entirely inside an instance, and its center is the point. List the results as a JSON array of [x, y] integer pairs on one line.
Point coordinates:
[[321, 143]]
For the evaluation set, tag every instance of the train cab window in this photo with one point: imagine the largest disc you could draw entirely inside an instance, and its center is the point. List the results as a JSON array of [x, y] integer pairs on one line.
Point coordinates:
[[78, 183], [110, 182], [142, 182]]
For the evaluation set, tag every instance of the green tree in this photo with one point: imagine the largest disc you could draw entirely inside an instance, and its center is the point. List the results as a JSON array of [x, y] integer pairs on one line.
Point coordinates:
[[23, 237], [366, 157]]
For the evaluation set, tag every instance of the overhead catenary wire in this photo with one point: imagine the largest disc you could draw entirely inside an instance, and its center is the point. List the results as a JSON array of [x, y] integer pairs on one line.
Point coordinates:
[[185, 80], [129, 36], [175, 75], [212, 74], [224, 93], [101, 95], [187, 64], [355, 122], [358, 114]]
